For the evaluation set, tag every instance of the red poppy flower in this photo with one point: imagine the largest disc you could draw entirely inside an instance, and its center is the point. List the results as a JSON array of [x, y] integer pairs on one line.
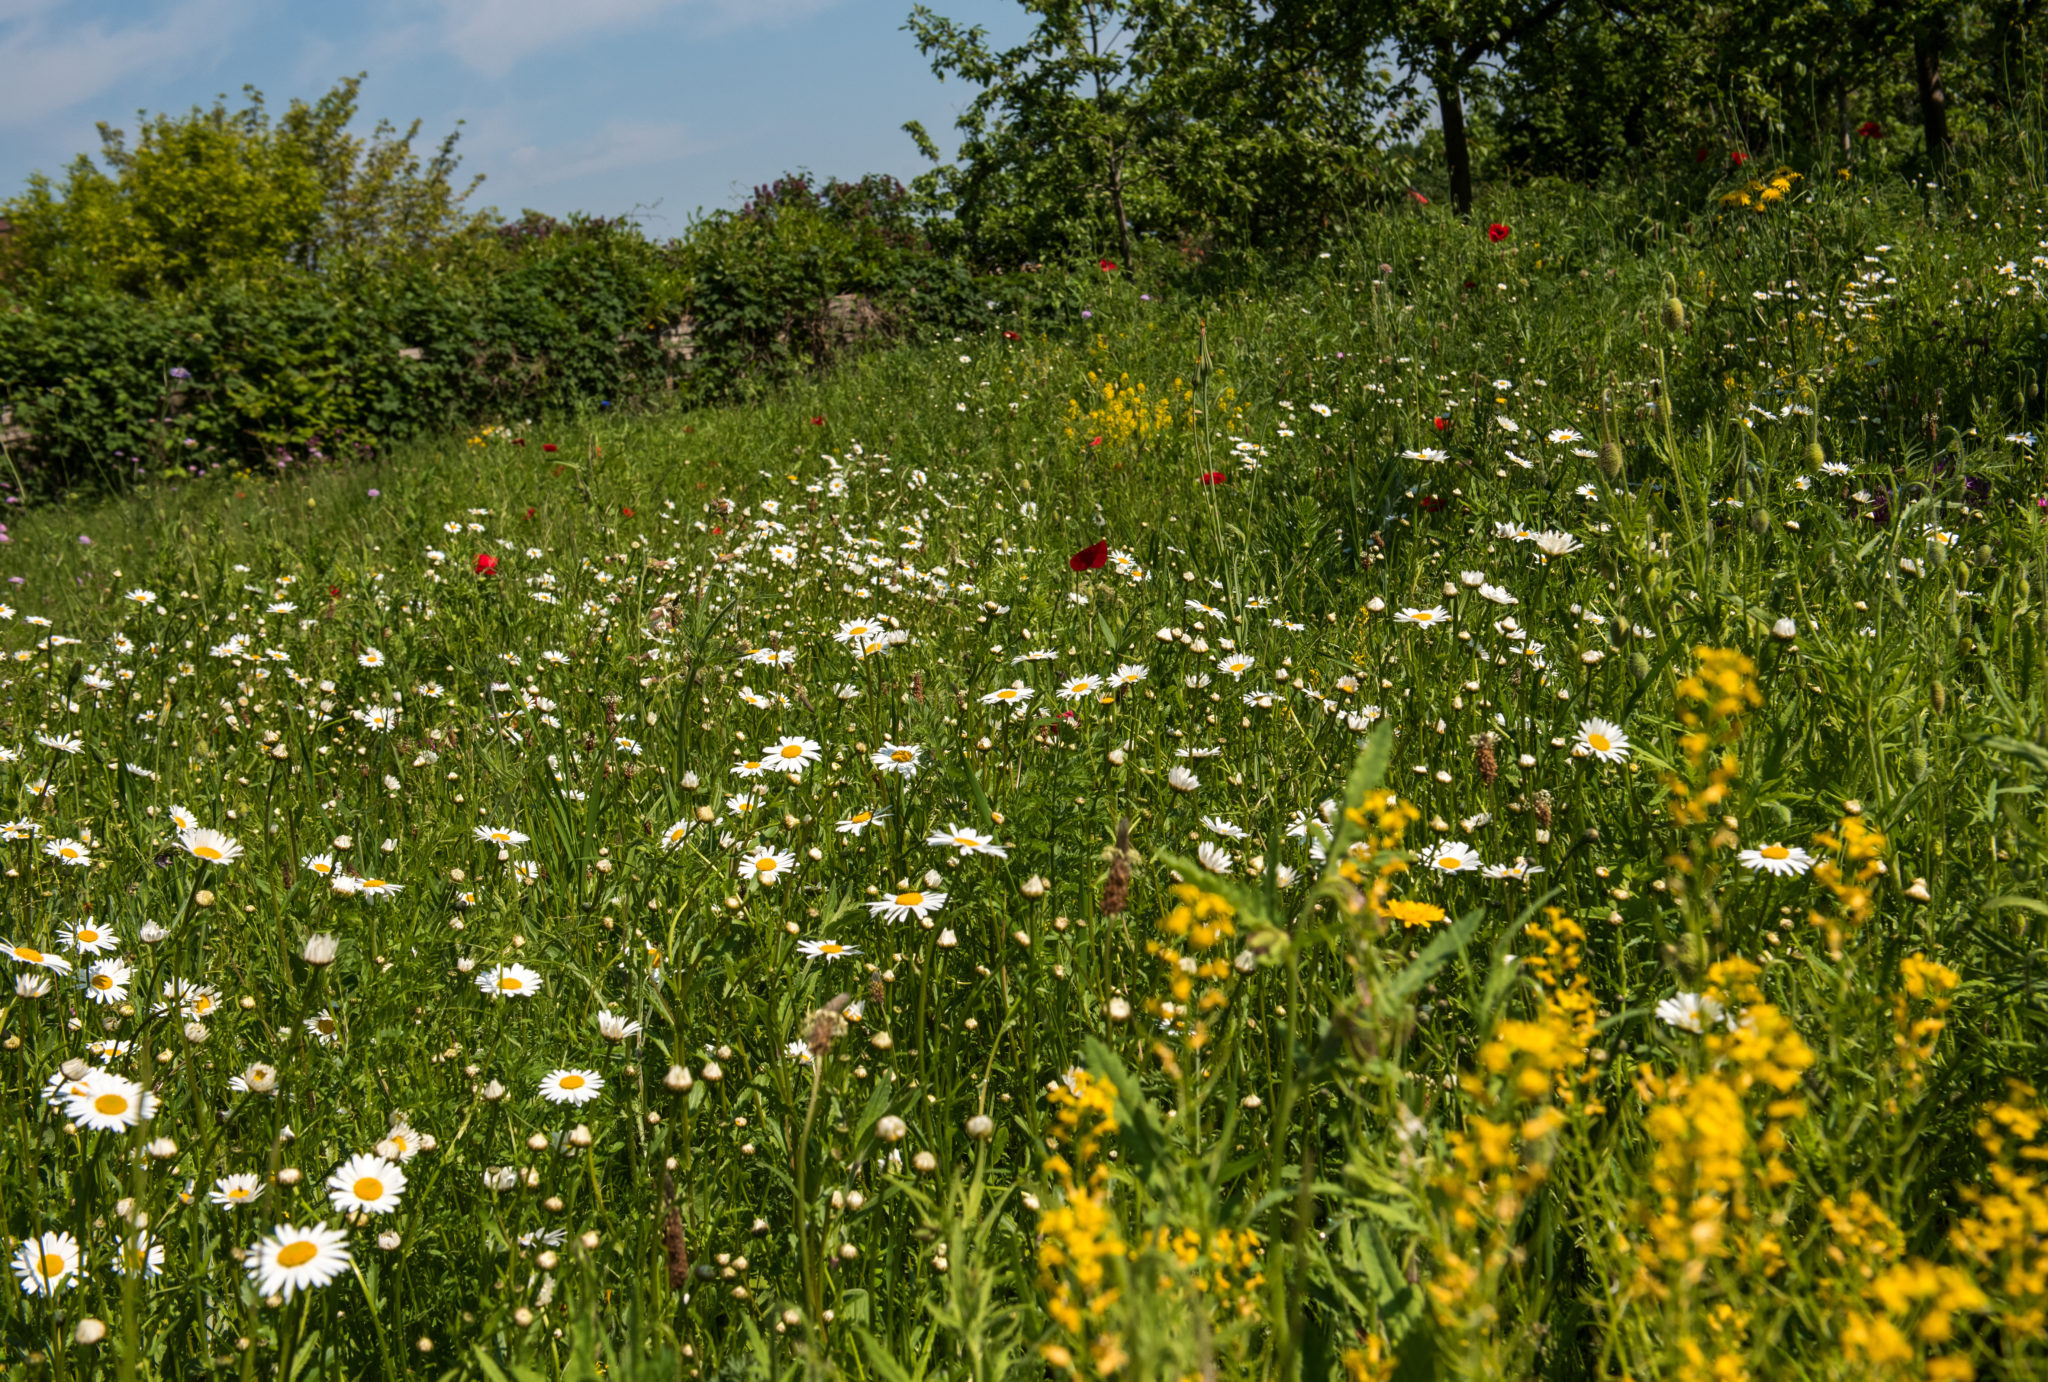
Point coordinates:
[[529, 513], [1419, 198], [549, 447], [716, 531], [817, 422], [1431, 503], [519, 441], [1739, 157], [1108, 266], [1703, 155], [625, 512], [1870, 129], [1090, 558], [485, 563], [1215, 477], [1441, 423], [1498, 232], [1011, 336], [1095, 441], [334, 592]]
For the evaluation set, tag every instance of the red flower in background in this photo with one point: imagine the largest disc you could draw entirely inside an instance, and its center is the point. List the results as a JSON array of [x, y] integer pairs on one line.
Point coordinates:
[[817, 422], [1419, 198], [626, 512], [1108, 266], [334, 592], [485, 563], [1739, 157], [1870, 129], [1011, 336], [1703, 155], [549, 447], [1091, 558], [1095, 441], [529, 513], [1215, 477], [1498, 232], [1431, 503], [1440, 423]]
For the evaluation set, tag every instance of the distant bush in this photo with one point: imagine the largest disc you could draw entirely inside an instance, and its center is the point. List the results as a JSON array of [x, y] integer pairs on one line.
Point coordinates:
[[234, 290]]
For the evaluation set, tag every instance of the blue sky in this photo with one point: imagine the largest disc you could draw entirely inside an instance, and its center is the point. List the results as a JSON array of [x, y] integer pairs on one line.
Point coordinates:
[[570, 105]]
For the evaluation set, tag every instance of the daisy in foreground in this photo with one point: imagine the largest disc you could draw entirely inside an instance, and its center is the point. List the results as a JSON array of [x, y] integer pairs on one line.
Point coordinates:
[[1455, 856], [47, 1264], [766, 866], [967, 841], [1689, 1012], [210, 845], [509, 981], [1601, 739], [571, 1086], [826, 950], [1786, 861], [366, 1184], [901, 905], [298, 1259]]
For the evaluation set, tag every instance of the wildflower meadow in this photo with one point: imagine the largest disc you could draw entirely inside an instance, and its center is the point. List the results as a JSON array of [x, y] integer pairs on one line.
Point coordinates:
[[1469, 810]]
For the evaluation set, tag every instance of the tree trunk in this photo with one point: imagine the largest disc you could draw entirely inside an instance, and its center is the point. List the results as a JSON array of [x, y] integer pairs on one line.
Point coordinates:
[[1928, 42], [1450, 105]]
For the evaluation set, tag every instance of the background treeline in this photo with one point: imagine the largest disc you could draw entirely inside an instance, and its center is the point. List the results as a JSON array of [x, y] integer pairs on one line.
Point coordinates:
[[237, 287]]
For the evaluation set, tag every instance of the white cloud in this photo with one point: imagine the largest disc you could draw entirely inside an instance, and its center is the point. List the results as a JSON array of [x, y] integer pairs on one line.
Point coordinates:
[[620, 144], [494, 36], [52, 67]]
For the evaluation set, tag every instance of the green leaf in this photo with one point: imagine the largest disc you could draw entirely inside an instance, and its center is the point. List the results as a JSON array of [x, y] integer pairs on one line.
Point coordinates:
[[1451, 940]]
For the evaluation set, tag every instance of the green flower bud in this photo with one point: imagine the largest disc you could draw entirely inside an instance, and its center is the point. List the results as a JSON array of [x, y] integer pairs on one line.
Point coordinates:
[[1639, 666], [1611, 460], [1816, 454], [1674, 315]]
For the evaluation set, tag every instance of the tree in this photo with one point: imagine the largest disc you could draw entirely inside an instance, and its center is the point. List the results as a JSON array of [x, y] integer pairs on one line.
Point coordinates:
[[1121, 120], [217, 190]]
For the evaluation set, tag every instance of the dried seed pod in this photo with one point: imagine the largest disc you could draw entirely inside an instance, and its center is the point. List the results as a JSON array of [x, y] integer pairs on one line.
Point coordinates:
[[1116, 889], [1484, 761]]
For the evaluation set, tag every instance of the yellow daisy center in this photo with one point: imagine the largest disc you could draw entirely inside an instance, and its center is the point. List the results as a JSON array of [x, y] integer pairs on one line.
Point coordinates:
[[572, 1082], [207, 852], [910, 899], [510, 982], [28, 953], [102, 982], [296, 1254], [902, 756], [53, 1265], [1600, 742], [1450, 862], [1775, 852], [111, 1104], [368, 1188], [765, 865], [792, 751]]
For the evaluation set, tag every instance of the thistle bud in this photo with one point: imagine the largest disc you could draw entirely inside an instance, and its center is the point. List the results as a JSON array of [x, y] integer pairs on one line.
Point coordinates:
[[1612, 463], [1639, 666], [1816, 454]]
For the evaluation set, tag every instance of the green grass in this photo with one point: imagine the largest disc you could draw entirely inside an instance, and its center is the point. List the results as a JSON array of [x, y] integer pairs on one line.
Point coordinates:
[[1315, 1101]]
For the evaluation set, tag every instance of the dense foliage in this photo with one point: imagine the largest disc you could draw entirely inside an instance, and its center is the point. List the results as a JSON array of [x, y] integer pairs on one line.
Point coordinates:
[[1472, 814]]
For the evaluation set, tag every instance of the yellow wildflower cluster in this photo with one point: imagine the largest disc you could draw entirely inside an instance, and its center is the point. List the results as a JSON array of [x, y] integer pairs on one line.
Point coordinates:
[[1762, 193], [1524, 1094], [1849, 876], [1370, 862], [1712, 702], [1372, 1361], [1717, 1144], [1225, 1266], [1546, 1055], [1200, 922], [1896, 1312], [1919, 1013], [1080, 1250], [1126, 411], [2006, 1233]]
